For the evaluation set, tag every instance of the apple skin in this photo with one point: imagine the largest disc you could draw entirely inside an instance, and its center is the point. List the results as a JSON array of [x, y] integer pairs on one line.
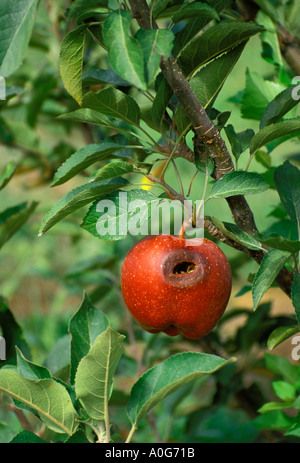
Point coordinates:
[[160, 298]]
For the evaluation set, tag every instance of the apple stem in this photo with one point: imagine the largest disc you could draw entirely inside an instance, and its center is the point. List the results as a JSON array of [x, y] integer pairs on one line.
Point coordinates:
[[182, 231]]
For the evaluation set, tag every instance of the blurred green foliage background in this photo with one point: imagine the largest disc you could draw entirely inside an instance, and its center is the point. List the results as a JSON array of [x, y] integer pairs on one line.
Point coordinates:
[[43, 277]]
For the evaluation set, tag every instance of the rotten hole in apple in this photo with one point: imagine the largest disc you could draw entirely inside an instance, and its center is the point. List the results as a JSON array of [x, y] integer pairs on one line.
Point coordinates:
[[184, 267]]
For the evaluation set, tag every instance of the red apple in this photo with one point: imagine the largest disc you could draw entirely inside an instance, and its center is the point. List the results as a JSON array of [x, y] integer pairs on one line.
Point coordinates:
[[176, 285]]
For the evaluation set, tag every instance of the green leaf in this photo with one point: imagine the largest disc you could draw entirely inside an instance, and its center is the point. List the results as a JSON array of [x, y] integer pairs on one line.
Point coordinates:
[[242, 237], [239, 141], [281, 334], [208, 82], [12, 333], [16, 23], [125, 53], [114, 103], [292, 16], [57, 360], [90, 116], [269, 268], [113, 169], [284, 390], [213, 42], [84, 327], [272, 406], [279, 107], [194, 10], [265, 160], [160, 103], [275, 241], [257, 95], [30, 370], [147, 116], [195, 25], [10, 92], [287, 182], [27, 437], [244, 290], [13, 218], [269, 177], [296, 295], [269, 38], [24, 136], [79, 437], [234, 141], [159, 6], [95, 373], [93, 15], [46, 397], [82, 159], [166, 377], [155, 43], [274, 9], [100, 261], [276, 420], [204, 162], [79, 6], [77, 198], [233, 425], [42, 84], [7, 174], [293, 431], [113, 220], [245, 138], [103, 76], [221, 119], [238, 183], [71, 62], [233, 232], [282, 367], [274, 131]]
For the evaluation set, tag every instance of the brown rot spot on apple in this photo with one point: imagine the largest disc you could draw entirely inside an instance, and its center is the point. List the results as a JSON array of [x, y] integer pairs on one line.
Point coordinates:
[[184, 267]]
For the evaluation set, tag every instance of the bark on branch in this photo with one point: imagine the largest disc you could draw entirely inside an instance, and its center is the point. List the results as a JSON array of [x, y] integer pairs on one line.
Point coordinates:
[[204, 129], [284, 279]]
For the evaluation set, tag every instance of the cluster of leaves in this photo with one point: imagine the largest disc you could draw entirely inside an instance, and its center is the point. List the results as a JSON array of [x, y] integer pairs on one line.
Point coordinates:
[[77, 407], [34, 95], [111, 71], [135, 60], [12, 53], [274, 104], [13, 218], [286, 387], [220, 46]]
